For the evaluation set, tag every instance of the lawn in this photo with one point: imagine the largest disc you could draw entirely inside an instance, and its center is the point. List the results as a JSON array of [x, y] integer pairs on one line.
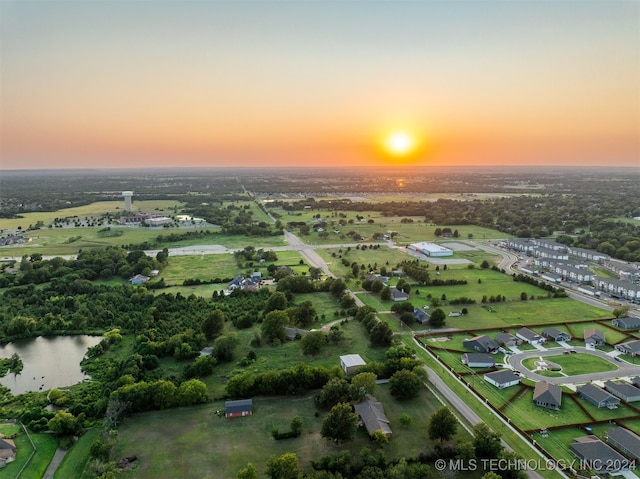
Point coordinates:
[[527, 416], [574, 364], [373, 259], [45, 448], [74, 462], [193, 442], [203, 267]]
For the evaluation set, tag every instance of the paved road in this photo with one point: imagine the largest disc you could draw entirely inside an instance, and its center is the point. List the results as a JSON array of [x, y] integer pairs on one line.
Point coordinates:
[[55, 462], [623, 367]]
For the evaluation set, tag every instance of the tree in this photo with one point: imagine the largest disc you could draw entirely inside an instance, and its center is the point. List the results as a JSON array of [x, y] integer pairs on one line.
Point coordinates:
[[313, 342], [385, 294], [621, 312], [442, 424], [437, 318], [304, 314], [524, 296], [64, 424], [404, 385], [213, 325], [335, 391], [248, 472], [381, 334], [277, 301], [340, 424], [273, 326], [407, 318], [486, 442], [337, 287], [224, 346], [284, 467], [192, 392], [361, 384]]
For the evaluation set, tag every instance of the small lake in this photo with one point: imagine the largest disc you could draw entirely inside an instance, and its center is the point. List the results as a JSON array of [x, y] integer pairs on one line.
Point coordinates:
[[49, 362]]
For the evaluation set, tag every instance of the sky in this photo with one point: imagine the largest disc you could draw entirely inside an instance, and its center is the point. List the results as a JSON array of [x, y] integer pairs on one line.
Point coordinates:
[[120, 83]]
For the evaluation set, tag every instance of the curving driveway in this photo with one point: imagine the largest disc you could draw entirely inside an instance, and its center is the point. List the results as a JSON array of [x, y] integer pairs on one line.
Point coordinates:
[[623, 368]]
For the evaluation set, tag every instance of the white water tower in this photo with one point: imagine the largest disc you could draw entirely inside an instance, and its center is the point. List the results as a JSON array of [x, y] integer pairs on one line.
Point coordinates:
[[127, 200]]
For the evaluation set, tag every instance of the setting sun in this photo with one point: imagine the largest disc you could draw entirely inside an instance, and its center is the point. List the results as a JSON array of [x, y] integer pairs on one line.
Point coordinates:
[[400, 144]]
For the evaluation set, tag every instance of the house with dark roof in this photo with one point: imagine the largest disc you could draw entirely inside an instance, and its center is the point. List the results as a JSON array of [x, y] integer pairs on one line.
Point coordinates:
[[556, 335], [632, 348], [483, 344], [529, 336], [7, 451], [636, 381], [238, 408], [139, 279], [293, 333], [502, 379], [598, 456], [372, 415], [420, 316], [594, 337], [625, 441], [478, 360], [626, 323], [597, 396], [506, 339], [398, 295], [624, 391], [547, 395]]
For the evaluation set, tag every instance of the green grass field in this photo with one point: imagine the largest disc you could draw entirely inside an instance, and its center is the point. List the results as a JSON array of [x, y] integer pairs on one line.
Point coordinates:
[[192, 442], [574, 364], [45, 448], [74, 462]]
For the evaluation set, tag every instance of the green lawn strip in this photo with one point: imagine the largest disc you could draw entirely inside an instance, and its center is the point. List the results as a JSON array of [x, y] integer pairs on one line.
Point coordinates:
[[574, 364], [46, 446], [519, 445], [75, 461], [527, 415], [193, 442], [202, 267]]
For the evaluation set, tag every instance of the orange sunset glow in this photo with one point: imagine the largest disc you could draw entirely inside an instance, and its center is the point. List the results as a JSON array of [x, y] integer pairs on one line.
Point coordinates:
[[123, 84]]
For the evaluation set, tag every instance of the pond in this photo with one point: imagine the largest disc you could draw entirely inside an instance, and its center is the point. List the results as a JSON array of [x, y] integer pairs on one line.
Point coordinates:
[[49, 362]]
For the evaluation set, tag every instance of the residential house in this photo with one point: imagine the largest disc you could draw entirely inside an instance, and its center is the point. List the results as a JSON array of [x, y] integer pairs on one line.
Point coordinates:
[[598, 456], [556, 335], [626, 323], [632, 348], [398, 295], [238, 408], [372, 415], [139, 279], [547, 395], [588, 254], [624, 391], [502, 379], [478, 360], [483, 344], [7, 451], [529, 336], [594, 337], [420, 316], [350, 363], [618, 288], [598, 396], [293, 333], [625, 441], [506, 339], [245, 284]]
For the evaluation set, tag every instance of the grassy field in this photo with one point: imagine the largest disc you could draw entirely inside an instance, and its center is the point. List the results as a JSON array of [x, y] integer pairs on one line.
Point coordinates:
[[76, 458], [192, 442], [574, 364]]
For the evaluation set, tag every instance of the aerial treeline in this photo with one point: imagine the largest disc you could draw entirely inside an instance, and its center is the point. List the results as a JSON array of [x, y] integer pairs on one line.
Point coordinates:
[[419, 272], [555, 292], [89, 265]]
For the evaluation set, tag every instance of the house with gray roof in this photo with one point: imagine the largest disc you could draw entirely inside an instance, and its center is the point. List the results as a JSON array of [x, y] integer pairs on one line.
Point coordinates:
[[483, 344], [625, 441], [478, 360], [529, 336], [598, 396], [420, 316], [626, 323], [502, 379], [506, 339], [293, 333], [624, 391], [7, 451], [398, 295], [372, 415], [632, 348], [238, 408], [556, 335], [598, 456], [594, 337], [547, 395]]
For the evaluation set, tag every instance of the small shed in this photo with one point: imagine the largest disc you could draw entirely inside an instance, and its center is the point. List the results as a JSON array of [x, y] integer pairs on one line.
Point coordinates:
[[350, 363], [238, 408]]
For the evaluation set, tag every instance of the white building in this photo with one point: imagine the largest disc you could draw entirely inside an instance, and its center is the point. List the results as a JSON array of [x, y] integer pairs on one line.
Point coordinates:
[[350, 363], [431, 249]]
